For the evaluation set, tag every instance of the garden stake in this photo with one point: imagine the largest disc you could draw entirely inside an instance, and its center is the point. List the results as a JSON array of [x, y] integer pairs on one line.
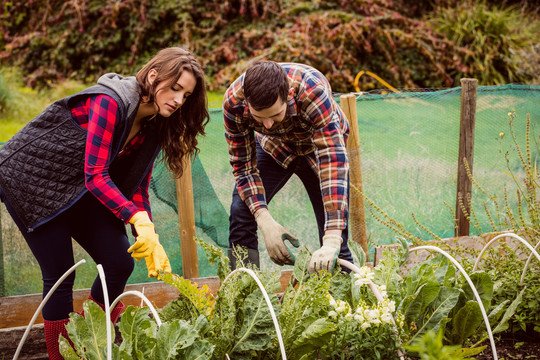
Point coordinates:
[[473, 288], [42, 304]]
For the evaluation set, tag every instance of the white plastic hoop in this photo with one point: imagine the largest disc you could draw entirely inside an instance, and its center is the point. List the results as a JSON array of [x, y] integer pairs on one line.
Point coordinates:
[[268, 302], [143, 298], [473, 288], [527, 265], [42, 304], [512, 235], [107, 310]]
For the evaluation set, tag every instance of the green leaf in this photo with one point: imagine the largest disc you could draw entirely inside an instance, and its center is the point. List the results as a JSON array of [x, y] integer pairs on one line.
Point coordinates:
[[172, 337], [465, 322], [257, 329], [201, 350], [467, 352], [503, 324], [89, 333], [418, 276], [387, 271], [358, 252], [138, 332], [300, 271], [484, 286], [341, 287], [319, 332], [497, 312], [215, 255], [415, 311], [441, 307], [403, 249], [443, 269], [67, 351]]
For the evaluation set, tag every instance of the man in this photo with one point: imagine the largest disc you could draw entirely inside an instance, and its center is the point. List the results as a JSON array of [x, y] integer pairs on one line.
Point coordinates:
[[280, 120]]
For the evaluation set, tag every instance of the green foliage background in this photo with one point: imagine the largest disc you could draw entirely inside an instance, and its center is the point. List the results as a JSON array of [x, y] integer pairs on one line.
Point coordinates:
[[425, 44]]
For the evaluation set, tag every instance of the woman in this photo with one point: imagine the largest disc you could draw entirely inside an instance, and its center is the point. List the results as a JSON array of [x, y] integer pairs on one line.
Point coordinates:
[[81, 170]]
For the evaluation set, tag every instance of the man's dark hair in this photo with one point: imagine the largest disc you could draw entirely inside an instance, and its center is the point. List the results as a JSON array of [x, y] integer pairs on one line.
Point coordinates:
[[264, 82]]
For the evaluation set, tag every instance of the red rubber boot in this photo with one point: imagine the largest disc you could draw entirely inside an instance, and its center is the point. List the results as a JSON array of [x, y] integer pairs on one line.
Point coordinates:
[[53, 329]]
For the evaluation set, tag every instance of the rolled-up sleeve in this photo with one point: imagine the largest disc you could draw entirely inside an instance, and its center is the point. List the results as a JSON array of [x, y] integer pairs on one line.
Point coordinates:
[[330, 153], [102, 117]]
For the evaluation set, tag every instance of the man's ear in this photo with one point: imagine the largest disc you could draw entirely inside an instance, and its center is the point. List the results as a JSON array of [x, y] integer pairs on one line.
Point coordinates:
[[151, 77]]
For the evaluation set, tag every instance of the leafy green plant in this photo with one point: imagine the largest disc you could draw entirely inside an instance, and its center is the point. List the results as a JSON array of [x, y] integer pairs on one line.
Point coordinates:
[[331, 316], [432, 298], [142, 339], [487, 36], [326, 316], [505, 268], [430, 346]]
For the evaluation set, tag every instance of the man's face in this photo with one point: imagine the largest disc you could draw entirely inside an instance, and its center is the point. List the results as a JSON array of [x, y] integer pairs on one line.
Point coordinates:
[[270, 116]]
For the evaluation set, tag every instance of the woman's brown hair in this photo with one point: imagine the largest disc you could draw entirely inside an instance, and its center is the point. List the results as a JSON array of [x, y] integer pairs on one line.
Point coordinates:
[[178, 133]]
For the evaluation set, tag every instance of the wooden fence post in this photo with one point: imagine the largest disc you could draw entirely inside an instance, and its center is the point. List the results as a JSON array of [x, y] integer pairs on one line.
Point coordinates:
[[357, 220], [186, 223], [466, 149], [2, 273]]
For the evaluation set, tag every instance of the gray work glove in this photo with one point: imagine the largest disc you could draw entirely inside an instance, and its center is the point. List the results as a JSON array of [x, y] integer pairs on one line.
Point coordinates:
[[325, 258], [274, 236]]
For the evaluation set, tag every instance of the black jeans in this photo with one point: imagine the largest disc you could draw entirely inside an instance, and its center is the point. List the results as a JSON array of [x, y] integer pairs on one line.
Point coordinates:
[[98, 231], [242, 225]]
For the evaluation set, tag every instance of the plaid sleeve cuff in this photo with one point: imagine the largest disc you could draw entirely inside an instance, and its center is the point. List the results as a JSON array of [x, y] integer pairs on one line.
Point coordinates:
[[336, 219], [256, 202], [126, 212]]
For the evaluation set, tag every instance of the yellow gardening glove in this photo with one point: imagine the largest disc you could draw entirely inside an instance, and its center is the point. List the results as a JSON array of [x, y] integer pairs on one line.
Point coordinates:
[[157, 261], [147, 245], [325, 258], [147, 239], [274, 236]]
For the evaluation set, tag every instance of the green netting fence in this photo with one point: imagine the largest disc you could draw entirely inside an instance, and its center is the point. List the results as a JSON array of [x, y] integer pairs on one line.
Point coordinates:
[[409, 152]]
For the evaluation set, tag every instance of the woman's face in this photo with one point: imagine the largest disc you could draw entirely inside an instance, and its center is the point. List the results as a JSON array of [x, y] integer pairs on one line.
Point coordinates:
[[168, 97]]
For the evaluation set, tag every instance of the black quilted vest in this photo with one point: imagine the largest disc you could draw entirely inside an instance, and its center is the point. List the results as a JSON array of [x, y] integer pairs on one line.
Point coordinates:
[[42, 165]]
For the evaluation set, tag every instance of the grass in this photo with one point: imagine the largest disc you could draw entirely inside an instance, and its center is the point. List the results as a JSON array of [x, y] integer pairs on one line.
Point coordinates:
[[215, 99]]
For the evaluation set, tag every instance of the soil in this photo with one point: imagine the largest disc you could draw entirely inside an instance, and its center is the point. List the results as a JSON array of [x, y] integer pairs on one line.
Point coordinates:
[[509, 349]]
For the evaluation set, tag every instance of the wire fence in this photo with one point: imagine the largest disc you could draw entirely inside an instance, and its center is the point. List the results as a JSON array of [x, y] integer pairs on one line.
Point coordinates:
[[409, 153]]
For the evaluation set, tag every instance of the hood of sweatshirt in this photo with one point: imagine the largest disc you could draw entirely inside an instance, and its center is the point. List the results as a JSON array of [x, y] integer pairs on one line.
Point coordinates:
[[127, 89]]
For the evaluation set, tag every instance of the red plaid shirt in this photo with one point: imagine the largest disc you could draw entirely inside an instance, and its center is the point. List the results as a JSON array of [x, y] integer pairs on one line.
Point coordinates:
[[98, 114], [315, 127]]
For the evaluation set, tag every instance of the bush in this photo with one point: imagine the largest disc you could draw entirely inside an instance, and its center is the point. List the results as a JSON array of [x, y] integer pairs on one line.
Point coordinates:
[[488, 39], [53, 40]]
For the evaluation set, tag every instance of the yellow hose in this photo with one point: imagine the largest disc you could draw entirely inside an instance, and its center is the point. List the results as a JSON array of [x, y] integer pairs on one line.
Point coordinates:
[[357, 78]]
